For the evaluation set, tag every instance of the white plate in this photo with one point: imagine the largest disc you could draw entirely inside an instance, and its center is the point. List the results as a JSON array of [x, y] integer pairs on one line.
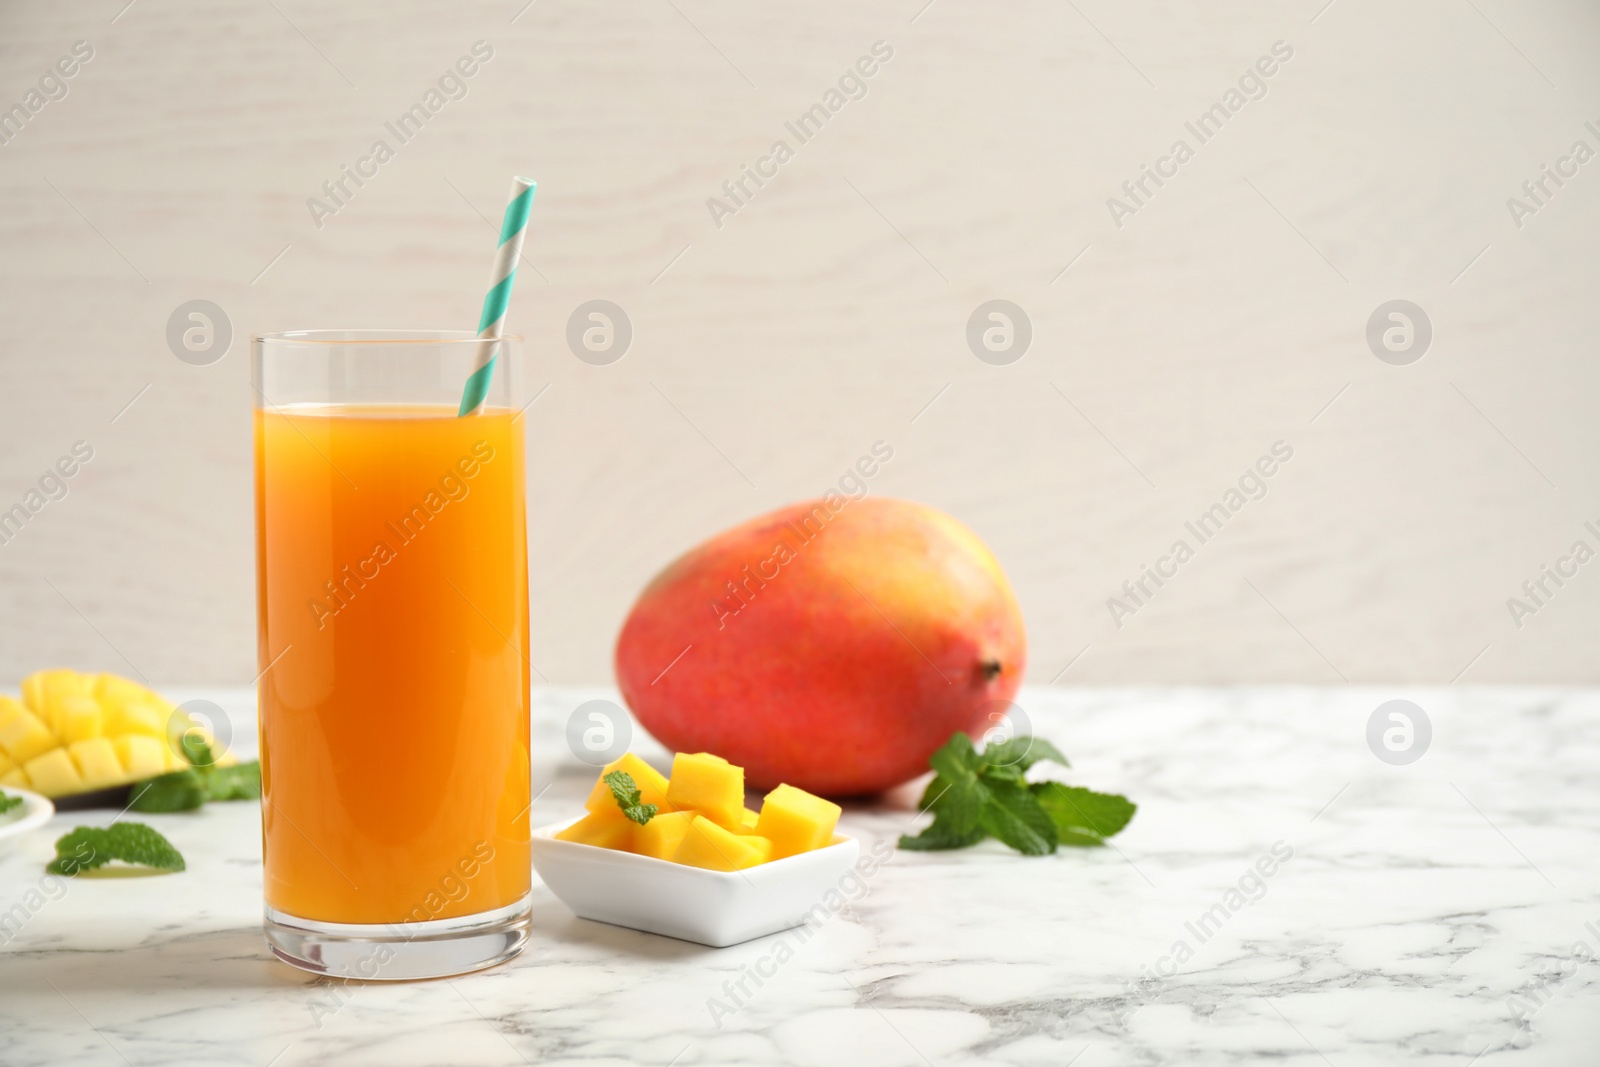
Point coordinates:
[[716, 908], [34, 813]]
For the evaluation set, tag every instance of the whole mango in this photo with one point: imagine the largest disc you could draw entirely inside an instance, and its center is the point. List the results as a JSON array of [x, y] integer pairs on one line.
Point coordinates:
[[832, 645]]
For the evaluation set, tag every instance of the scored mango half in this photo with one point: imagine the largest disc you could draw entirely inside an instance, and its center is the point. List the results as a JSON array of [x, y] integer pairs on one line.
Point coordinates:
[[77, 733], [700, 818]]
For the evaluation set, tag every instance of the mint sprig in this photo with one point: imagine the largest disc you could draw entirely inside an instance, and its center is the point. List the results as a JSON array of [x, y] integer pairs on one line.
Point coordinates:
[[626, 792], [975, 795], [7, 802], [202, 780], [134, 843], [241, 781], [182, 790]]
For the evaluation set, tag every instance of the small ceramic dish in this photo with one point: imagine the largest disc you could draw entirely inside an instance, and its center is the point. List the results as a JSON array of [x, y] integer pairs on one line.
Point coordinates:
[[716, 908], [34, 813]]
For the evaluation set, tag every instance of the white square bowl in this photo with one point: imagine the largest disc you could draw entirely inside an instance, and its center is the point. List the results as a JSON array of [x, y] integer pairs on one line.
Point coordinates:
[[716, 908]]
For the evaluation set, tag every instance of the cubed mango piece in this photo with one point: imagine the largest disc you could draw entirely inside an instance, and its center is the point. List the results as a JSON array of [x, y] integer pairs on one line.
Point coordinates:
[[710, 846], [53, 774], [22, 733], [43, 692], [603, 830], [661, 836], [34, 690], [795, 821], [112, 691], [747, 822], [651, 782], [710, 785], [78, 716], [141, 757], [5, 764], [97, 762], [16, 777], [135, 718]]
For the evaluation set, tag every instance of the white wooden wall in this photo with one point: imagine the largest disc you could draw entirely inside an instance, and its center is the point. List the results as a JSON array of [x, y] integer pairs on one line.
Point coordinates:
[[1227, 313]]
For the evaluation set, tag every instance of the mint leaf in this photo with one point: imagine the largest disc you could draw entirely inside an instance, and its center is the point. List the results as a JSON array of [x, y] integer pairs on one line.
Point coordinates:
[[7, 802], [956, 798], [175, 791], [941, 836], [1018, 754], [955, 810], [960, 806], [1082, 816], [242, 781], [195, 750], [956, 760], [962, 795], [1016, 818], [934, 794], [89, 847], [626, 793]]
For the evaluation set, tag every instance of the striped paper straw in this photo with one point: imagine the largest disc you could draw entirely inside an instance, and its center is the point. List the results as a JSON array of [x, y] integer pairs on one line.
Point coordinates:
[[494, 305]]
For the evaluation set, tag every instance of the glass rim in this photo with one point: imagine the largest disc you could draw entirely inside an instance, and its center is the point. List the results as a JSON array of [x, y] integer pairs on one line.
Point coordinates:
[[333, 338]]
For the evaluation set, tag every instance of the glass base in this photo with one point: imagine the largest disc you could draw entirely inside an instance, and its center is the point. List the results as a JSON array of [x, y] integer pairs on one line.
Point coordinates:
[[396, 952]]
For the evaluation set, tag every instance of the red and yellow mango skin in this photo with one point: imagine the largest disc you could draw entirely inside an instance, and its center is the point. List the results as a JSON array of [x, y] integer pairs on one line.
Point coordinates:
[[832, 645]]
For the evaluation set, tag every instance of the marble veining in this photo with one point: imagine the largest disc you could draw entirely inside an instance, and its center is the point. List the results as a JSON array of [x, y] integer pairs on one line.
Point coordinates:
[[1282, 896]]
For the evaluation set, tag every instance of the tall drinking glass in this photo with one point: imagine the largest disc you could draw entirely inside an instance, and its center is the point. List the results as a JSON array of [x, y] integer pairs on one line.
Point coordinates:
[[392, 610]]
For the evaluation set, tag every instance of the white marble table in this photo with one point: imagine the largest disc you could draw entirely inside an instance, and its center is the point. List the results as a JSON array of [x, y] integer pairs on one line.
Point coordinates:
[[1423, 909]]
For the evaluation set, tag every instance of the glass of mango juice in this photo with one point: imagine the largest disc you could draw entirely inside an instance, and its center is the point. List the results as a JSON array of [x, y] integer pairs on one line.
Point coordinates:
[[392, 612]]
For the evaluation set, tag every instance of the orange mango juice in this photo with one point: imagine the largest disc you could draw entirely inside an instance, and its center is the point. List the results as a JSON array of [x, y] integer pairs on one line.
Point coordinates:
[[392, 602]]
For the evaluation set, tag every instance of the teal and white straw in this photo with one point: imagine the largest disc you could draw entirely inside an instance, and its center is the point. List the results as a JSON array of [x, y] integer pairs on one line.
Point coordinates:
[[494, 305]]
